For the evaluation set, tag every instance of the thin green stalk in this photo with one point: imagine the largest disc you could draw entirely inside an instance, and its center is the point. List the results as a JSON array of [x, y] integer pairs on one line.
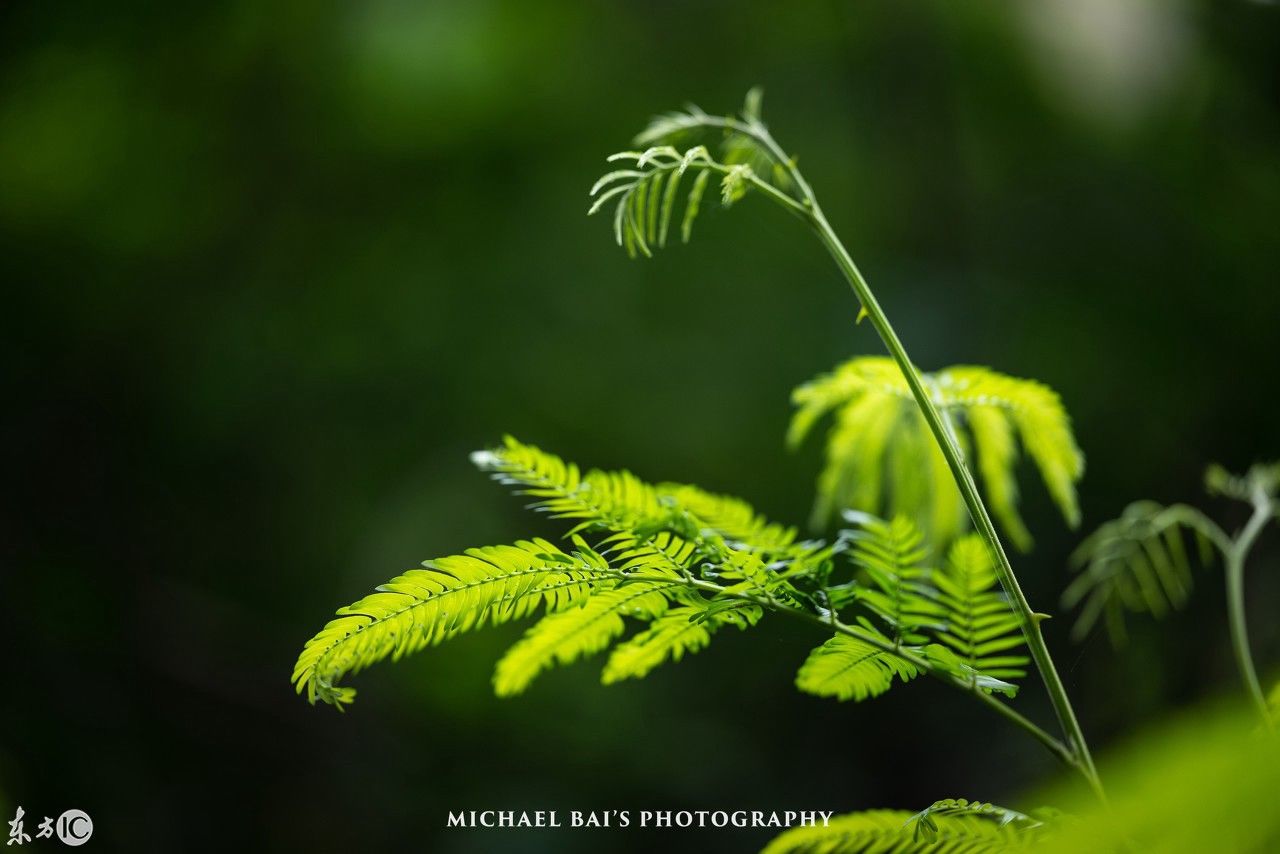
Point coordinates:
[[1030, 620], [1235, 558], [969, 492]]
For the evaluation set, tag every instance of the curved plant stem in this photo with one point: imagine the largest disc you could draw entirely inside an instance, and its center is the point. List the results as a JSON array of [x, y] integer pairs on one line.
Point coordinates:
[[1234, 559], [1030, 620]]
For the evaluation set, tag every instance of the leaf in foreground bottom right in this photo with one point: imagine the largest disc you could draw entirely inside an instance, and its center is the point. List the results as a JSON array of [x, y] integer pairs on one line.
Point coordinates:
[[1204, 782]]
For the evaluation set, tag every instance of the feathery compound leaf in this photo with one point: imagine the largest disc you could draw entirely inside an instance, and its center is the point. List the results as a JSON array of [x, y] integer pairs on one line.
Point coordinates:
[[924, 824], [449, 596], [644, 194], [574, 633], [892, 556], [1138, 562], [878, 430], [729, 517], [887, 832], [643, 207], [981, 630], [621, 503], [611, 501], [848, 668], [681, 631]]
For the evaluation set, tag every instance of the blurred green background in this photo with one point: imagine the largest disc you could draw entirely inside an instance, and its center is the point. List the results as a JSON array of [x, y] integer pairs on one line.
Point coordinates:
[[273, 269]]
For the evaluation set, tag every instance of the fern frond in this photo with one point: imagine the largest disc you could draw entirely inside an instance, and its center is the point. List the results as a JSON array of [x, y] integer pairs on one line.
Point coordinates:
[[448, 596], [892, 556], [848, 668], [924, 824], [878, 430], [1261, 477], [573, 633], [1138, 562], [610, 501], [644, 194], [887, 832], [621, 503], [981, 630], [681, 631], [741, 137], [673, 127], [729, 517]]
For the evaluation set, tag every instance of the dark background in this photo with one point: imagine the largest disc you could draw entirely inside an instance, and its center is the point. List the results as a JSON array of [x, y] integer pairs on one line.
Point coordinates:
[[271, 270]]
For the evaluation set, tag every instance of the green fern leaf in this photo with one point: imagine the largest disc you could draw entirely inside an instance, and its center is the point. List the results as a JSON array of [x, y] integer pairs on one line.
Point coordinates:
[[1138, 562], [848, 668], [610, 501], [567, 635], [887, 832], [449, 596], [621, 503], [681, 631], [731, 518], [924, 824], [892, 555], [878, 430], [644, 193], [981, 630]]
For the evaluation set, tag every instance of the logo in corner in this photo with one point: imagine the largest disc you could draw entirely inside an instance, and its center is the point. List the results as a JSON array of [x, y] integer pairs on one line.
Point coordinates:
[[74, 827]]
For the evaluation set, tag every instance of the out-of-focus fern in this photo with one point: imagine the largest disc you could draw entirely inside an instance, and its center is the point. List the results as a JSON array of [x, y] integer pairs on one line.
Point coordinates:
[[880, 457], [950, 831], [924, 824], [1138, 562]]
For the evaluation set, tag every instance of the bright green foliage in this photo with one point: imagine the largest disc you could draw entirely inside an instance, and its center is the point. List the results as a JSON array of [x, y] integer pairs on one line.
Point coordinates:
[[981, 630], [892, 554], [614, 501], [924, 824], [729, 517], [1262, 479], [687, 562], [895, 832], [848, 668], [566, 635], [449, 596], [955, 621], [619, 502], [653, 541], [681, 631], [880, 456], [1138, 562], [646, 192], [1205, 783]]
